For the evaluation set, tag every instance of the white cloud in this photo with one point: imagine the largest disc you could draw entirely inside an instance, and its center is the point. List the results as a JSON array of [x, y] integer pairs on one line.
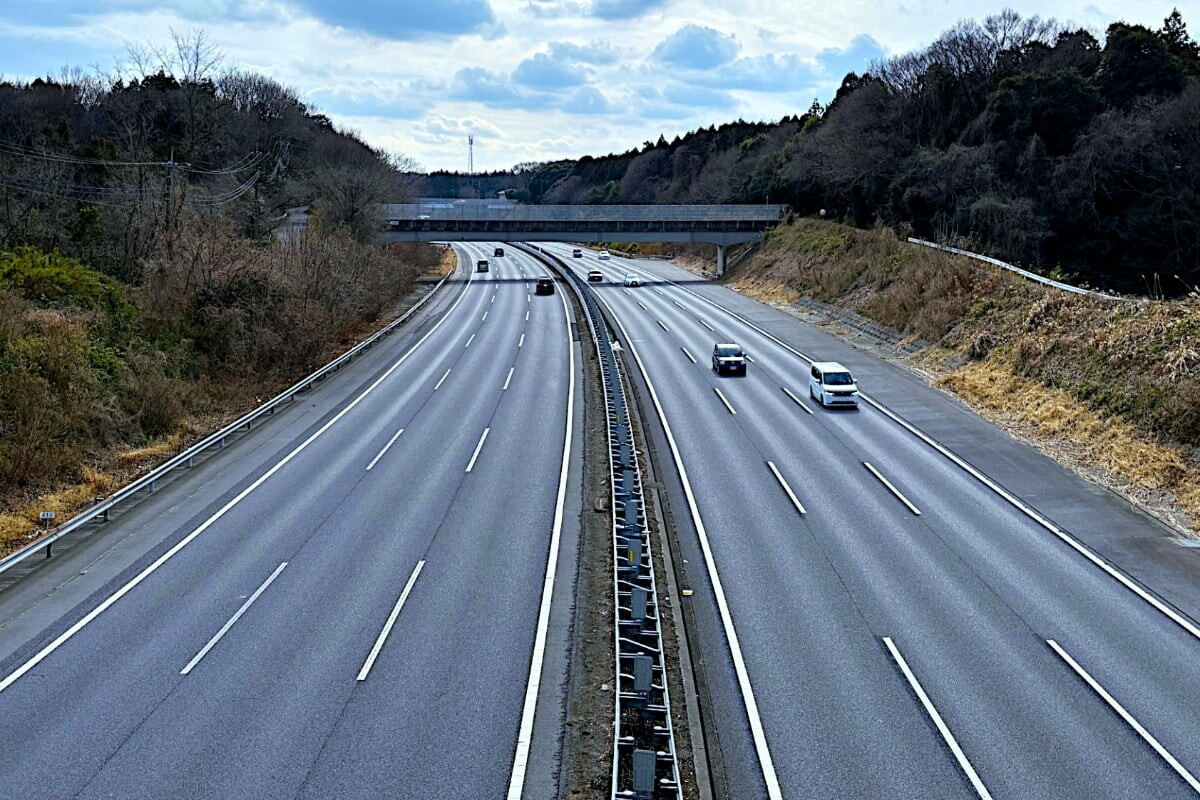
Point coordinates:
[[533, 79], [696, 47]]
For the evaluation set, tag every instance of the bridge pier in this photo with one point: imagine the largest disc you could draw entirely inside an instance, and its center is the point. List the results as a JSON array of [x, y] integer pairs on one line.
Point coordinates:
[[721, 248]]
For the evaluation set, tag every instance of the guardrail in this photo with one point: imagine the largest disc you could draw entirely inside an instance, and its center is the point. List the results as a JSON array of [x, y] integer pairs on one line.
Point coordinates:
[[186, 458], [644, 764], [1066, 287]]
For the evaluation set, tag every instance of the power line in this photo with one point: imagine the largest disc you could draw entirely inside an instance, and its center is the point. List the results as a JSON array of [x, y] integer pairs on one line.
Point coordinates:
[[248, 161]]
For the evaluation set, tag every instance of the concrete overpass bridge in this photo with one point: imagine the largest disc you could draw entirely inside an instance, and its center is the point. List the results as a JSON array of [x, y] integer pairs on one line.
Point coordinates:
[[436, 220]]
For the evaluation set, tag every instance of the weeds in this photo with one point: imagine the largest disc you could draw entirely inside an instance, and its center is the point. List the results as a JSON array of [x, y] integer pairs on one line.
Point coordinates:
[[1116, 382]]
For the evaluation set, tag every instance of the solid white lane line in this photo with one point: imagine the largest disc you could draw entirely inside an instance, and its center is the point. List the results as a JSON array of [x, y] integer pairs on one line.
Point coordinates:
[[391, 441], [947, 736], [754, 720], [470, 340], [691, 357], [508, 379], [664, 327], [791, 495], [478, 447], [643, 305], [1125, 715], [955, 459], [438, 385], [796, 400], [705, 324], [391, 621], [521, 341], [1066, 538], [185, 541], [723, 400], [484, 319], [225, 628], [893, 489], [516, 781]]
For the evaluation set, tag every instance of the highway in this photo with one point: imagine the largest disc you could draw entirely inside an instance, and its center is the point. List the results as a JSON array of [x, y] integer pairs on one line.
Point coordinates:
[[873, 620], [353, 602]]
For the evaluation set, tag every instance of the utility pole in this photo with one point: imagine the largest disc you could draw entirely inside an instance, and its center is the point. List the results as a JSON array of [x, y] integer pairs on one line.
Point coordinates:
[[170, 204]]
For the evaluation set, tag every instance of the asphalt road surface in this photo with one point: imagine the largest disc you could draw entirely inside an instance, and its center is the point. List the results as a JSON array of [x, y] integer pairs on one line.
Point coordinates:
[[874, 620], [345, 604]]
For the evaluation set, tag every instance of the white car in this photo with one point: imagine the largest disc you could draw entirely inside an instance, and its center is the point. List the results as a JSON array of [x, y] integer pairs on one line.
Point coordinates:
[[831, 384], [604, 256], [632, 280]]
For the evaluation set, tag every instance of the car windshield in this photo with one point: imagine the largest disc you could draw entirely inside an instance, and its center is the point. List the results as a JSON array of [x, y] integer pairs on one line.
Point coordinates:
[[838, 379], [728, 350]]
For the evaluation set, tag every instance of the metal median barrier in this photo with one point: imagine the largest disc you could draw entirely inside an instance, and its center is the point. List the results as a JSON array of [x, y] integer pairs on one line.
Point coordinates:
[[644, 762], [149, 481]]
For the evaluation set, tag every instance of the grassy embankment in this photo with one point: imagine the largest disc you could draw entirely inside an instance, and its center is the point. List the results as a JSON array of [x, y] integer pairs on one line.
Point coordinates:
[[1110, 388], [100, 381]]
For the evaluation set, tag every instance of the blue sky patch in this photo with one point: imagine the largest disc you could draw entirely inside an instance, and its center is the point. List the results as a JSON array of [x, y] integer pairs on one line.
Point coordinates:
[[404, 19]]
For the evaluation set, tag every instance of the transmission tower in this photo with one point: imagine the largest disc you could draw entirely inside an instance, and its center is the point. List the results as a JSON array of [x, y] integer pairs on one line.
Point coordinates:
[[470, 155]]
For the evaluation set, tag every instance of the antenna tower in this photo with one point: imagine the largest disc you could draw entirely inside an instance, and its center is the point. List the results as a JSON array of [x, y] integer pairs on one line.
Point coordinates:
[[471, 155]]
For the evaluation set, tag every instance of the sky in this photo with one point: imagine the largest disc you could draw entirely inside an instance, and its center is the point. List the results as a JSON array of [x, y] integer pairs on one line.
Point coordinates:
[[531, 80]]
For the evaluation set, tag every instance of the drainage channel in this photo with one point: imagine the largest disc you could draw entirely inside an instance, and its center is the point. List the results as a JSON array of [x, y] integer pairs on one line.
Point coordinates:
[[644, 761]]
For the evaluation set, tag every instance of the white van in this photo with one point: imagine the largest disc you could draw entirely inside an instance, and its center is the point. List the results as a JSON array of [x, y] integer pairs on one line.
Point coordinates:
[[831, 384]]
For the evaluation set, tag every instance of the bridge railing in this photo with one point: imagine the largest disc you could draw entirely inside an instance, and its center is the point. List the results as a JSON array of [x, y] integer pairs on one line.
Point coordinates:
[[477, 211]]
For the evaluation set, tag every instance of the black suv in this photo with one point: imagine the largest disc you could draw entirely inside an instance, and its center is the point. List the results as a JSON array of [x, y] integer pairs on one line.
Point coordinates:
[[481, 265], [544, 286], [499, 251], [729, 358]]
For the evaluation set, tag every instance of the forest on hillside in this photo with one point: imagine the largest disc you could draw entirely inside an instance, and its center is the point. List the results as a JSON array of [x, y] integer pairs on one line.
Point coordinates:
[[142, 292], [1021, 137]]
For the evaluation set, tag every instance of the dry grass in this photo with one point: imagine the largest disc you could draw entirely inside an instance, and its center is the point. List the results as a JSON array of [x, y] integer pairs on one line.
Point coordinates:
[[22, 524], [1110, 389], [154, 452], [1069, 430]]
